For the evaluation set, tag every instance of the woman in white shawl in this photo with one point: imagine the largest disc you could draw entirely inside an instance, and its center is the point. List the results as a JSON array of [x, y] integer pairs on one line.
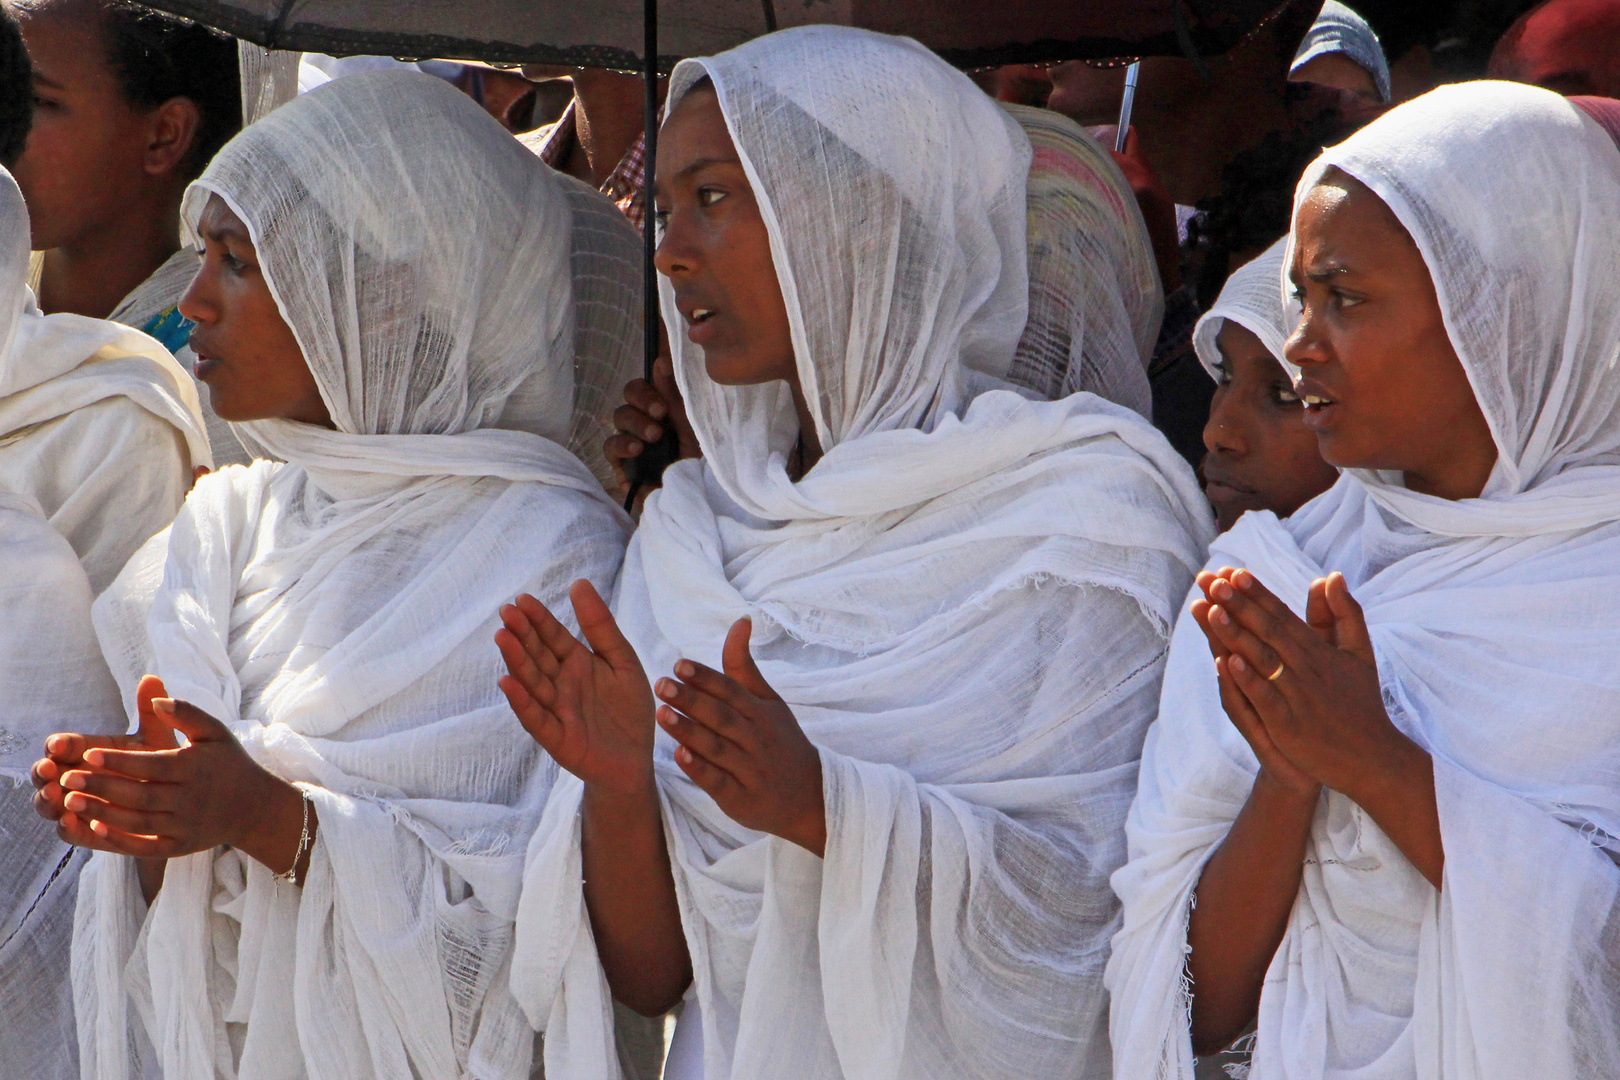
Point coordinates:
[[44, 632], [98, 423], [876, 846], [1389, 835], [344, 833]]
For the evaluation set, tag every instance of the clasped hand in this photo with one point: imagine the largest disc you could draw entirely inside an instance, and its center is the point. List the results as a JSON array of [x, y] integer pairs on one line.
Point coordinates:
[[147, 796], [590, 706], [1304, 693]]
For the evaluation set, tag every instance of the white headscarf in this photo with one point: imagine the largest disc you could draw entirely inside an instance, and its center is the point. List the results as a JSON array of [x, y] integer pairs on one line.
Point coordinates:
[[54, 680], [108, 478], [337, 611], [964, 605], [1496, 640], [1339, 29], [1095, 300], [1251, 299]]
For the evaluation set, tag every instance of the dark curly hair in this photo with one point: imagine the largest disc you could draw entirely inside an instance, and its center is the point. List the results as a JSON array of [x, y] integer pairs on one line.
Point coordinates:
[[1255, 203], [16, 90], [158, 56]]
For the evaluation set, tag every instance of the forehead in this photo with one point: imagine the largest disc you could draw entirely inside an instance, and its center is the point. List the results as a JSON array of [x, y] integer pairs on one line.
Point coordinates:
[[1341, 216], [65, 40], [217, 218], [695, 131]]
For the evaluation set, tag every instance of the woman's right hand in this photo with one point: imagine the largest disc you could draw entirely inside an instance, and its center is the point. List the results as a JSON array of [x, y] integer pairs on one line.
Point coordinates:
[[589, 706], [1277, 767], [647, 408]]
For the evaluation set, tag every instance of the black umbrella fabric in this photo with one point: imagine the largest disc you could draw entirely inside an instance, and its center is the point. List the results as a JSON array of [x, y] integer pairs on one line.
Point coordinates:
[[609, 33]]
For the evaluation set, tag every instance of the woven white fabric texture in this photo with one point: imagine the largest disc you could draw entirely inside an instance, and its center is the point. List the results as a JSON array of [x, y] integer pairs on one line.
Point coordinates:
[[97, 421], [55, 680], [337, 611], [1253, 299], [608, 311], [1496, 639], [1339, 29], [1095, 300], [965, 606]]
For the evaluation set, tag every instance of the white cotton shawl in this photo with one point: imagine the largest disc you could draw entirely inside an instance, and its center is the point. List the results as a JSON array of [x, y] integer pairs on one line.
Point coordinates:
[[336, 611], [964, 606], [97, 421], [1496, 636], [54, 680]]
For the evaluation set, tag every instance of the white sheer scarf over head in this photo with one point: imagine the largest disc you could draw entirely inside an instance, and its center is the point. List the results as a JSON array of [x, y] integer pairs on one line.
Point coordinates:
[[965, 604], [336, 611], [115, 473], [1496, 638], [1251, 299]]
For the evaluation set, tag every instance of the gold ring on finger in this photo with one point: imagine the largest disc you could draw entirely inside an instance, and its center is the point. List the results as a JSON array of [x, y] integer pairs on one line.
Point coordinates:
[[1273, 677]]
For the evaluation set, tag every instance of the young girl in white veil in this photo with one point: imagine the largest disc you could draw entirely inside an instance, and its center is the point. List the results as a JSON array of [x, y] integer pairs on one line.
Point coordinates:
[[332, 863], [906, 643]]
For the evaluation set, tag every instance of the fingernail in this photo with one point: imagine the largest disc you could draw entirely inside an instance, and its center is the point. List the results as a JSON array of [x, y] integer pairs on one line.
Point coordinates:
[[96, 758], [75, 802], [682, 754], [1237, 664], [163, 705], [665, 688], [1243, 580], [656, 410], [684, 669], [1220, 590], [73, 780], [1219, 615], [650, 433], [635, 448], [98, 827], [56, 744]]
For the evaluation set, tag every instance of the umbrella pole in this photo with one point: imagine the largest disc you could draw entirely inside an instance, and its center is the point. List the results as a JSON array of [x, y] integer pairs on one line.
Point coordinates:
[[649, 229], [647, 468]]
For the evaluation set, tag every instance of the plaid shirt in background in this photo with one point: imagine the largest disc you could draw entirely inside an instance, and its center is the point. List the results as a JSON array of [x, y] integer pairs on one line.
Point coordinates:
[[623, 185]]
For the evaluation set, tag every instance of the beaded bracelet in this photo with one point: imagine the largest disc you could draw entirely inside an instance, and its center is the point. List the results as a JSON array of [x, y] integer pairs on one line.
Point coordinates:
[[291, 876]]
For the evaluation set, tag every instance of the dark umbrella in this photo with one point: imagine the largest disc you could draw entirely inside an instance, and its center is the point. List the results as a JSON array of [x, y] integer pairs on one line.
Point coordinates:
[[610, 33], [649, 36]]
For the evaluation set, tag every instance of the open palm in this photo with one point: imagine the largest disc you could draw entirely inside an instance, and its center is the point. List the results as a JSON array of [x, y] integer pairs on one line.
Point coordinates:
[[589, 706]]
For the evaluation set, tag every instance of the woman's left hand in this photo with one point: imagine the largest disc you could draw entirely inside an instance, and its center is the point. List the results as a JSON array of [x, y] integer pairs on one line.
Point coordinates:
[[740, 742], [1314, 684], [164, 800]]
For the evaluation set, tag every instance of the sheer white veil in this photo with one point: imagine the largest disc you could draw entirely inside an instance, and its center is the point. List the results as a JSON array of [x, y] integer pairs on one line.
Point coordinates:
[[413, 322], [1524, 261], [888, 308], [1250, 299]]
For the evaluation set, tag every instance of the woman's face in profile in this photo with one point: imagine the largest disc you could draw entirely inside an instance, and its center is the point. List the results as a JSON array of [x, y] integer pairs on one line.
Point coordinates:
[[1382, 385], [246, 352], [1261, 456], [716, 251]]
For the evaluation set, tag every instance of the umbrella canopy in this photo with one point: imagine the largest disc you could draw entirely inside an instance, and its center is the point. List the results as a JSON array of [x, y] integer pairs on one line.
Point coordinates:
[[609, 33]]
